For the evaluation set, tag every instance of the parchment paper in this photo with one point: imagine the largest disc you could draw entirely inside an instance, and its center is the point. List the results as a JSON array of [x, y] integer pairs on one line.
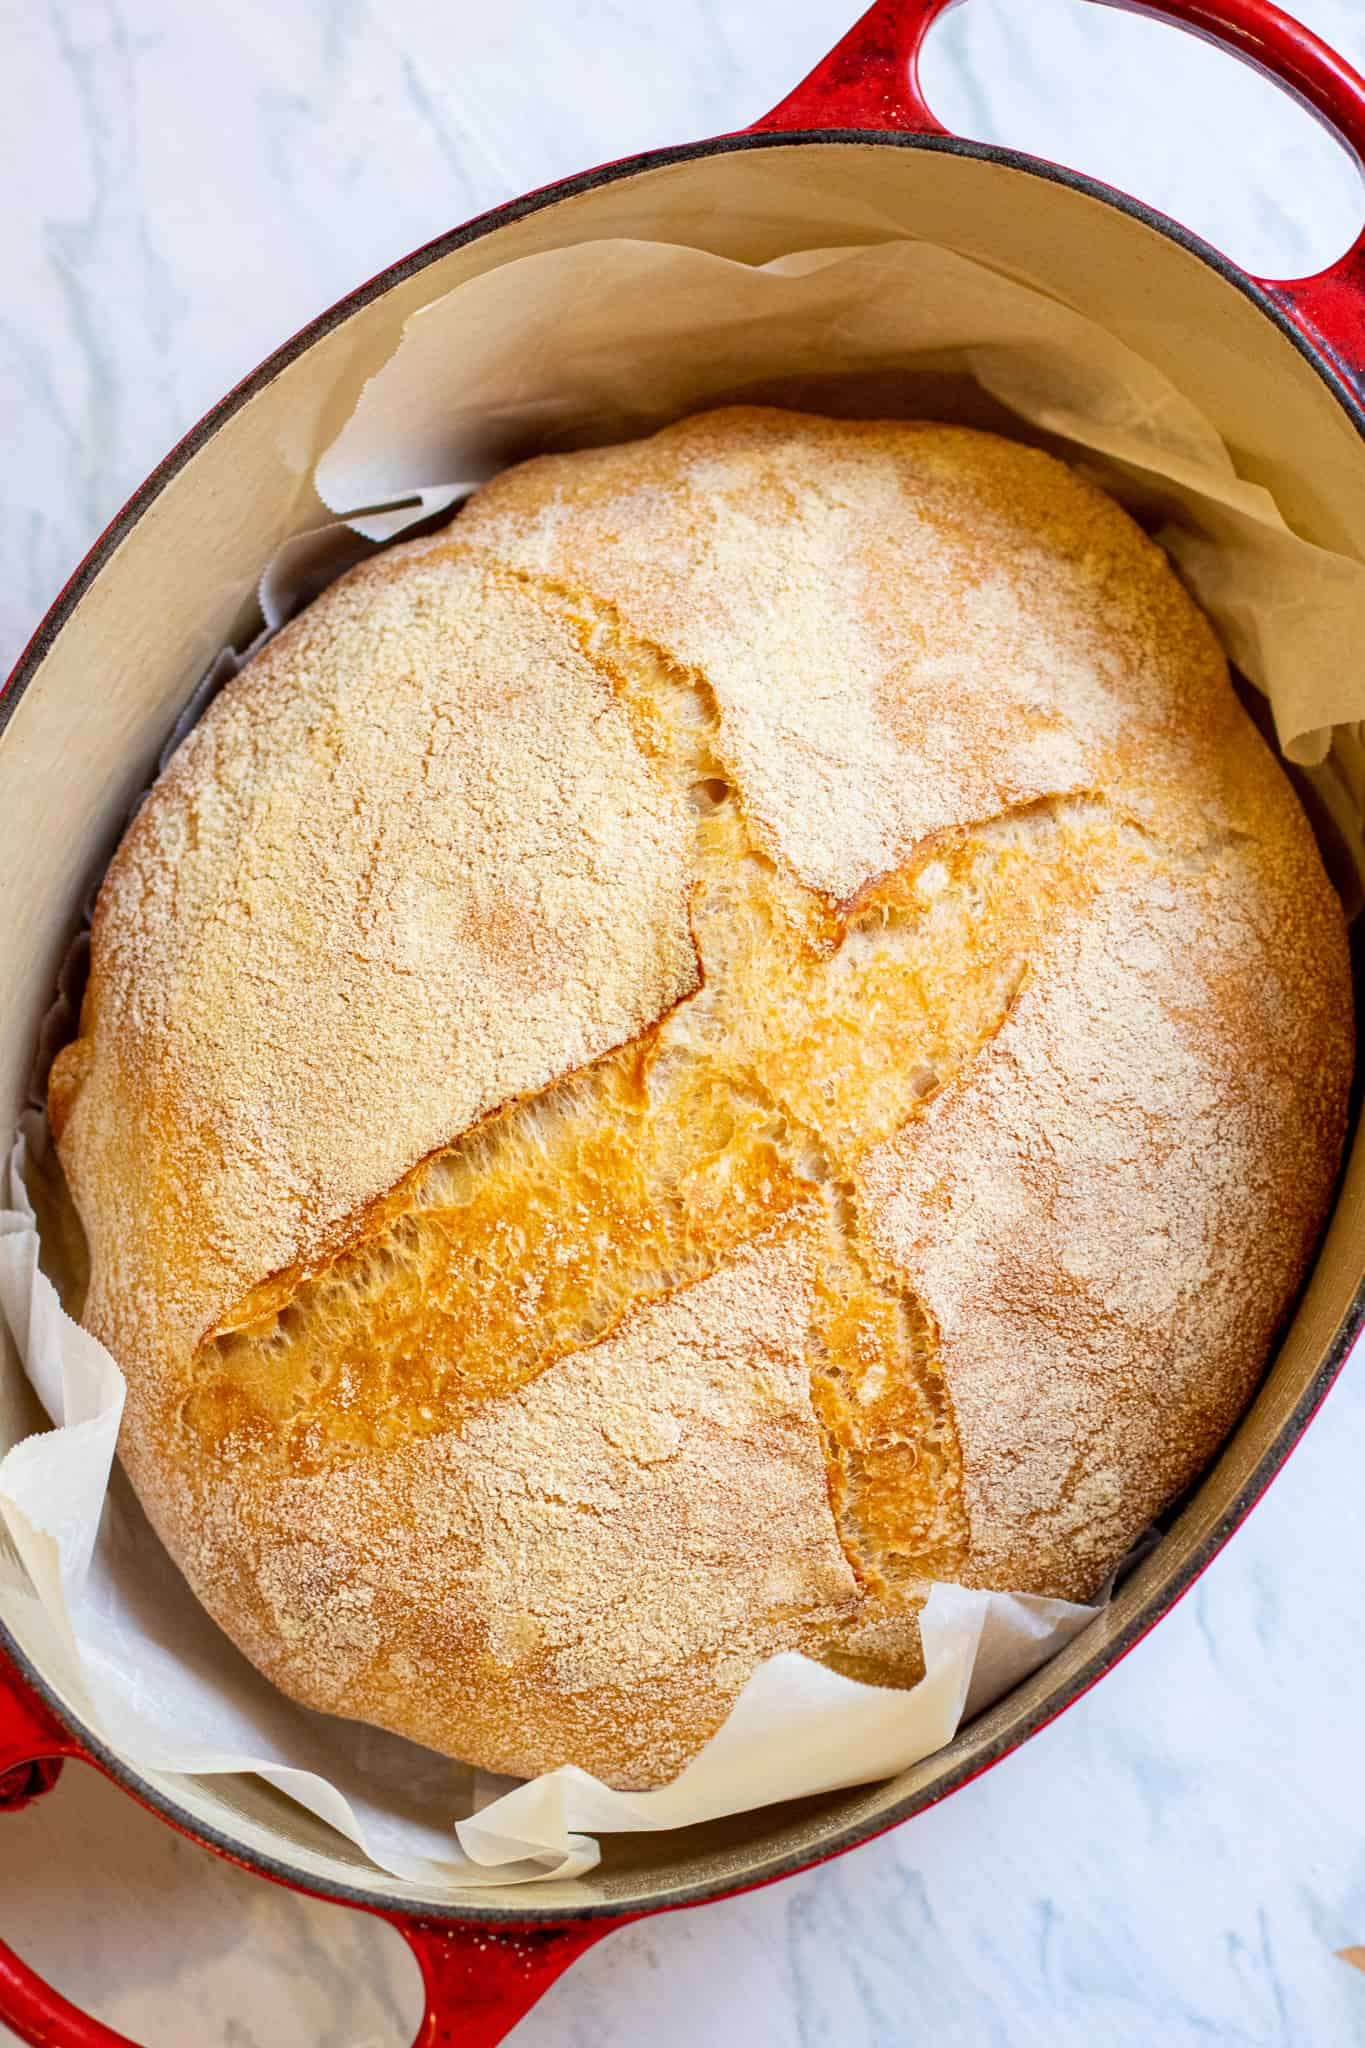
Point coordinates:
[[574, 348]]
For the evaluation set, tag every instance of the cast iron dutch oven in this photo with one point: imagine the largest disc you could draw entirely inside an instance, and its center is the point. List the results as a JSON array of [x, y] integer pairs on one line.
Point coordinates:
[[852, 155]]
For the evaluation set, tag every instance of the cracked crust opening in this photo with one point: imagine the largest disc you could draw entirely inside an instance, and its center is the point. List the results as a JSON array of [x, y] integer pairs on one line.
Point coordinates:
[[748, 1028]]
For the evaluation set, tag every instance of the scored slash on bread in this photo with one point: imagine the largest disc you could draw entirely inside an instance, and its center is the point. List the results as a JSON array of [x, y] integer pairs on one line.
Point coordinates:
[[747, 1027]]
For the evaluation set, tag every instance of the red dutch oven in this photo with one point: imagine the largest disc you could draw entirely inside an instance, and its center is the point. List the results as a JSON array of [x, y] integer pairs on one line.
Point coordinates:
[[853, 154]]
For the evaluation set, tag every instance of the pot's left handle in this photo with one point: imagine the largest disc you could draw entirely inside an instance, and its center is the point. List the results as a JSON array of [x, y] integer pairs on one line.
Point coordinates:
[[479, 1979], [33, 1747], [33, 1743]]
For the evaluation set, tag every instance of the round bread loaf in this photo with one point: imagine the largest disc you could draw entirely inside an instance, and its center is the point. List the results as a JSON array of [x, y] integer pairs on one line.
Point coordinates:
[[749, 1027]]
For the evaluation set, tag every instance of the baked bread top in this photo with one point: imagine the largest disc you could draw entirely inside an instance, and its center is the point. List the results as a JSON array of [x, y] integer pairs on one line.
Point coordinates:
[[748, 1027]]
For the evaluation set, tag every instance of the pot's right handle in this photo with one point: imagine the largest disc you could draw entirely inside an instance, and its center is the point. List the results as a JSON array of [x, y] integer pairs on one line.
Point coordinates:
[[1328, 308], [870, 81]]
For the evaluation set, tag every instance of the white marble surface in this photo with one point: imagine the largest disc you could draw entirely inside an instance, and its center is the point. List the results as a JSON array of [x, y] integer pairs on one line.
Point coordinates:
[[1178, 1859]]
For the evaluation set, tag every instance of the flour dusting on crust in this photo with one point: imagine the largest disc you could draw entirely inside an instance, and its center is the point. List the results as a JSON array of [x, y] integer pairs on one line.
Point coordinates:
[[748, 1026]]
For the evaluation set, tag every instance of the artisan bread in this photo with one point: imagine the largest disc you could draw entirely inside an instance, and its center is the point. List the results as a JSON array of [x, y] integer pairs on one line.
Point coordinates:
[[748, 1027]]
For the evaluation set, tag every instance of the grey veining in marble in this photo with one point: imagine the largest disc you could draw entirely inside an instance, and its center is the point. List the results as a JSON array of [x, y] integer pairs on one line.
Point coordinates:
[[1176, 1861]]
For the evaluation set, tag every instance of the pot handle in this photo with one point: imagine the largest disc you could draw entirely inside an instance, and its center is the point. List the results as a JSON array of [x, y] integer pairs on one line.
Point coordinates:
[[870, 80], [33, 1747], [479, 1979]]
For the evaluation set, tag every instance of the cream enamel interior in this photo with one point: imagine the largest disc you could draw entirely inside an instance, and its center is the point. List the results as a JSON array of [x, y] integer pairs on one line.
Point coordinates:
[[82, 738]]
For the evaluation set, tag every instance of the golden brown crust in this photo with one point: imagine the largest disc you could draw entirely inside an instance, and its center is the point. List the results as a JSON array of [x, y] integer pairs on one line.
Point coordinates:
[[1077, 1208], [418, 813], [905, 627], [750, 1027], [566, 1575]]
